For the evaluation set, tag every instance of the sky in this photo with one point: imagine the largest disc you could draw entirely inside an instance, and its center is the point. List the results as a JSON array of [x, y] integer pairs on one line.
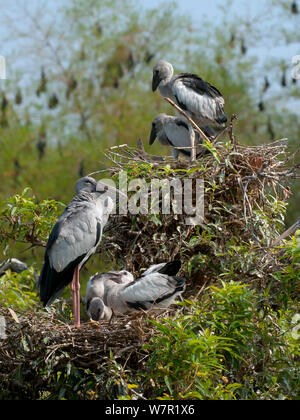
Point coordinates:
[[196, 9]]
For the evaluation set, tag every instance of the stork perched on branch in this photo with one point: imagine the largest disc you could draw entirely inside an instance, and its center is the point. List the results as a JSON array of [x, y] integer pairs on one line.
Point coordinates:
[[175, 132], [118, 292], [203, 102], [74, 238]]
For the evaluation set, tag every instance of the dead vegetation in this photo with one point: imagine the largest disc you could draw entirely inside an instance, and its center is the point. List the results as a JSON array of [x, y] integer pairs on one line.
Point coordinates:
[[38, 347]]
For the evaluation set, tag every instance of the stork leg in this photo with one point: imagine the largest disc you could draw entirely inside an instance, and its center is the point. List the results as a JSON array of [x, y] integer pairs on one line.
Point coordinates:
[[193, 140], [75, 288]]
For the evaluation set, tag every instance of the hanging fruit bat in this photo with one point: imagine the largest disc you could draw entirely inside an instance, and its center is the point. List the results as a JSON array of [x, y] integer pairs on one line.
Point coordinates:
[[283, 79], [18, 97], [232, 40], [148, 57], [261, 106], [4, 103], [243, 47], [71, 86], [294, 8], [41, 143], [43, 83], [53, 101], [81, 168], [267, 84]]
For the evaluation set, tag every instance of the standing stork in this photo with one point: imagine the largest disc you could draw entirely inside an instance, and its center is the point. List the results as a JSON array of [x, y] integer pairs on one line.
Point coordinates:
[[118, 292], [202, 101], [74, 238], [175, 132]]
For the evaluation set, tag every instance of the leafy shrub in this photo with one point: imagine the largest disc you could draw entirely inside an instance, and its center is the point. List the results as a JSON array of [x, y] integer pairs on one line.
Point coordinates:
[[23, 219], [222, 347], [18, 290]]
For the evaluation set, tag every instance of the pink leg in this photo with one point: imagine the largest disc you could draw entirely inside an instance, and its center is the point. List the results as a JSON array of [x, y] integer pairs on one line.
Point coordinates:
[[75, 288]]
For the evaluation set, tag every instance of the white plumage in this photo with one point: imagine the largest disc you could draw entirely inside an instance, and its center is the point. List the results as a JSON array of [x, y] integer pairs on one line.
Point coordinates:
[[203, 102]]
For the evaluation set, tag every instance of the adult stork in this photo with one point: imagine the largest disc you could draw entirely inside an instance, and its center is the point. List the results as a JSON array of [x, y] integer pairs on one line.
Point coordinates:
[[118, 292], [174, 132], [74, 238], [199, 99]]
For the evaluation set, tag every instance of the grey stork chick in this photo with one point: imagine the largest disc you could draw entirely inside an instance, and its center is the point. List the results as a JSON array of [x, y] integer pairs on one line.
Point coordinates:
[[97, 311], [174, 132], [203, 102], [74, 238], [96, 291], [157, 288]]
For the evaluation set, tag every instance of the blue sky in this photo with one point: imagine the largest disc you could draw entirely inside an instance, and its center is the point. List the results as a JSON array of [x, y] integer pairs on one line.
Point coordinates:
[[197, 9]]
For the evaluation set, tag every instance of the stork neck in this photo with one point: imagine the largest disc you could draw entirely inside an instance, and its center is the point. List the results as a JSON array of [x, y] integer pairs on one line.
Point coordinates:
[[164, 87]]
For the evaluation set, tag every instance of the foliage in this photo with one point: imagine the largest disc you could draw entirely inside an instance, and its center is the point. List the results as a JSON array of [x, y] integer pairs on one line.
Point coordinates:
[[23, 219], [287, 279], [223, 347], [18, 290]]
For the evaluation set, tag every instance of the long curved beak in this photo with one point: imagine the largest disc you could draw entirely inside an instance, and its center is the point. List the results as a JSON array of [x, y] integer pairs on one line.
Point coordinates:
[[155, 82], [152, 135]]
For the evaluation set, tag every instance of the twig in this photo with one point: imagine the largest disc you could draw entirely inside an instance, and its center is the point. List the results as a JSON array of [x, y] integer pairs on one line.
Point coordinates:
[[231, 135], [289, 232], [141, 149]]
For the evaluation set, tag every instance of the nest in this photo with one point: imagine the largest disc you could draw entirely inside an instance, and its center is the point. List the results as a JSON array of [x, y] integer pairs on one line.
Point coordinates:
[[239, 183], [36, 346]]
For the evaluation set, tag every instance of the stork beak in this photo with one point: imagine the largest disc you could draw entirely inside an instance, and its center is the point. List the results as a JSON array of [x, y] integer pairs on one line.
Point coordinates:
[[152, 135], [155, 82], [101, 187], [117, 278]]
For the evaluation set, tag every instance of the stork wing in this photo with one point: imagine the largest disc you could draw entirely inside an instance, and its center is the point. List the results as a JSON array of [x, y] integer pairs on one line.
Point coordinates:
[[198, 85], [76, 233], [170, 268], [197, 96], [178, 135], [149, 290]]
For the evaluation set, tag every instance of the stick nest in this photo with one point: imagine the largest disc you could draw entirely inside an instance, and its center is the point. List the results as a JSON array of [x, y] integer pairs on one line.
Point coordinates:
[[241, 183]]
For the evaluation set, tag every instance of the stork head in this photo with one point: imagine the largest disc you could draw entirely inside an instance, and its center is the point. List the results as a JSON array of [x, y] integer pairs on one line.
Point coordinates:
[[86, 183], [157, 126], [161, 71], [120, 277], [97, 310]]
